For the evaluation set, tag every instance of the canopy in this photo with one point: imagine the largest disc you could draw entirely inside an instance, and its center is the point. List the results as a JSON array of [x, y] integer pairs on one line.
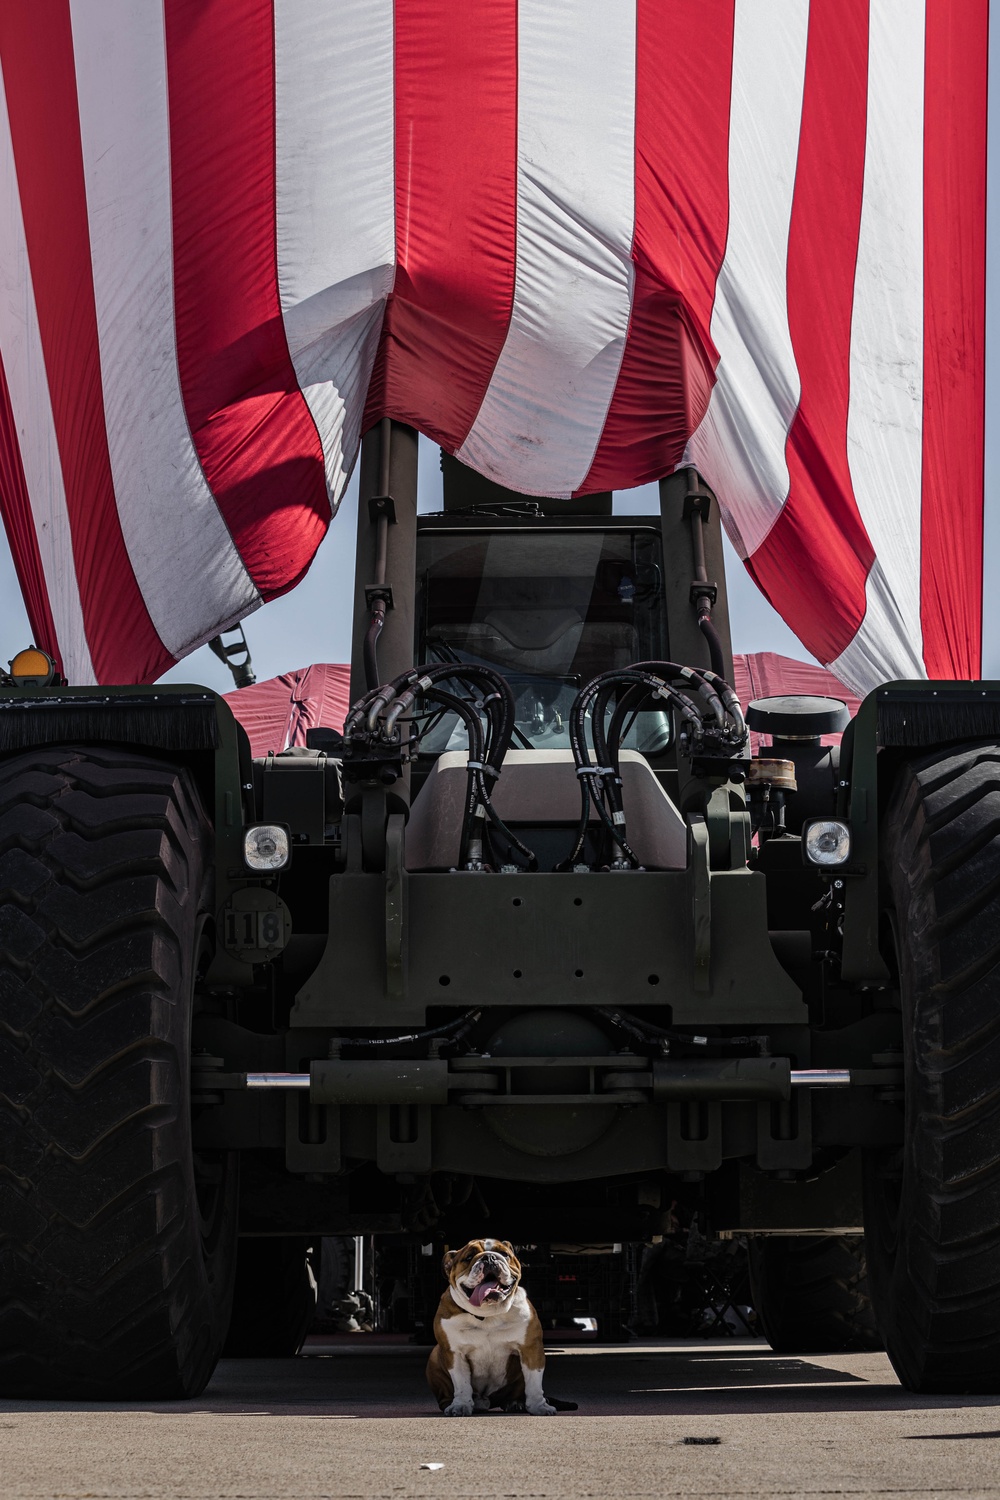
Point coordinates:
[[576, 244], [281, 710]]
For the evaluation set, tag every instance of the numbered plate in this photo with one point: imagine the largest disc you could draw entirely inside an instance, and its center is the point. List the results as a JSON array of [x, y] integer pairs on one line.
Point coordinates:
[[255, 925]]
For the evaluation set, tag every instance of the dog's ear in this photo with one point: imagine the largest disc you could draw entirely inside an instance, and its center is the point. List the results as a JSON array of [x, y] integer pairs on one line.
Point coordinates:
[[450, 1257]]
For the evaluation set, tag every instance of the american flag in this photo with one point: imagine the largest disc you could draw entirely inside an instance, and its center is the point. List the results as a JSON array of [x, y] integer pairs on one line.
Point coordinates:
[[576, 242]]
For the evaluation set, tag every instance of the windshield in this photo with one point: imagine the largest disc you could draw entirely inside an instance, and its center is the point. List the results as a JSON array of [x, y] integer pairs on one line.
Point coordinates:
[[550, 608]]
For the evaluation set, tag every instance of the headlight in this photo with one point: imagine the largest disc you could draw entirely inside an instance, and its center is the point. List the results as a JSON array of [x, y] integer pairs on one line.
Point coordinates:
[[266, 847], [827, 842]]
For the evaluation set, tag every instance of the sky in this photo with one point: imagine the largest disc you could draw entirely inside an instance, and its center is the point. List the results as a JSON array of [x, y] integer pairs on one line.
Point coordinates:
[[313, 623]]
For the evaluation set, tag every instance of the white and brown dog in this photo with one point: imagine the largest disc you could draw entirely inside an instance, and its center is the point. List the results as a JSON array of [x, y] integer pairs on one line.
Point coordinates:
[[489, 1339]]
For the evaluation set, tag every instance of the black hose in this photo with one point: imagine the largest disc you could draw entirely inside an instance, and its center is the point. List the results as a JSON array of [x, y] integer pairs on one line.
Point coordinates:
[[664, 1038], [371, 644], [606, 792], [697, 679], [581, 832], [497, 704], [512, 840], [714, 640], [459, 1026], [474, 730], [601, 784], [639, 1031]]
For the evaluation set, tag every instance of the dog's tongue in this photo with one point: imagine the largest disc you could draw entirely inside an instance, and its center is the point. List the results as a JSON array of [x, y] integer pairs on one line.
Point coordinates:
[[480, 1293]]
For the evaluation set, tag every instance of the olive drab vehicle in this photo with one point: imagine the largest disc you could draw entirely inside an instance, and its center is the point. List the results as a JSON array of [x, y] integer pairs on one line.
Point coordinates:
[[537, 925], [536, 942]]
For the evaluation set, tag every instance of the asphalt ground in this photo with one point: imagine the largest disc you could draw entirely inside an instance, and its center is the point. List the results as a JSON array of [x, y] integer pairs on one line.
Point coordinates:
[[357, 1421]]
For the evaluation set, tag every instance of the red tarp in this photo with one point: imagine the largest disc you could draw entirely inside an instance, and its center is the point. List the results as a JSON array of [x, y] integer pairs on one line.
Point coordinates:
[[278, 712], [765, 674]]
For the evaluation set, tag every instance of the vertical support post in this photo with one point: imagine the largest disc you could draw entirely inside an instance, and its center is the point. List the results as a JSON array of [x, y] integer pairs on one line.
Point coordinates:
[[686, 643], [395, 644]]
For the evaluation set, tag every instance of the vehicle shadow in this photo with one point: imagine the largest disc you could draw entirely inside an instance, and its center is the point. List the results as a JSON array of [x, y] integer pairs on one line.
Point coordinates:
[[642, 1379]]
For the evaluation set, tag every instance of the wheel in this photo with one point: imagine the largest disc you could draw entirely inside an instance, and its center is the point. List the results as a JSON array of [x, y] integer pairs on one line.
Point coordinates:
[[116, 1241], [274, 1301], [932, 1208], [810, 1293], [333, 1261]]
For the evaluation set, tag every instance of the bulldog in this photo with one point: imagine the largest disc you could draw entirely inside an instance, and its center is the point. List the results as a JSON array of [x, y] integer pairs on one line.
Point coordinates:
[[489, 1339]]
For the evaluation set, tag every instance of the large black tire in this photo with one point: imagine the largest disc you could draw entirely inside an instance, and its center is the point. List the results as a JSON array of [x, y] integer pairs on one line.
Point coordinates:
[[810, 1293], [274, 1302], [336, 1267], [116, 1242], [932, 1208]]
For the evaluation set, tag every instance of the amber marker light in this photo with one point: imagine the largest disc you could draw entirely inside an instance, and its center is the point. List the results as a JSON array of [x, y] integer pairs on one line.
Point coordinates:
[[32, 668]]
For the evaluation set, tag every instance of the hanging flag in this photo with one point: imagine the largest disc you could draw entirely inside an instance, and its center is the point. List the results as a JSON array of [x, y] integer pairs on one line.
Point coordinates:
[[576, 245]]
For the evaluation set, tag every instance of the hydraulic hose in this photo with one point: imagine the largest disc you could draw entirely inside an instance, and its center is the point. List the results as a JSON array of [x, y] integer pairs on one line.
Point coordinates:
[[714, 640], [453, 1030], [474, 729], [371, 643], [707, 705], [602, 783], [699, 680], [486, 752]]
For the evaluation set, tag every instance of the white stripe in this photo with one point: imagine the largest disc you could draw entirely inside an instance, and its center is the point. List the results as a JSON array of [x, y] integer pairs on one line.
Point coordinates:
[[24, 363], [885, 414], [546, 405], [335, 151], [188, 569], [880, 651], [740, 444]]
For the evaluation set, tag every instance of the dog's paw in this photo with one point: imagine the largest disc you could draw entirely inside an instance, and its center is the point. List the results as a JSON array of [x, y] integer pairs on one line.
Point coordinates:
[[480, 1403], [459, 1409], [541, 1409]]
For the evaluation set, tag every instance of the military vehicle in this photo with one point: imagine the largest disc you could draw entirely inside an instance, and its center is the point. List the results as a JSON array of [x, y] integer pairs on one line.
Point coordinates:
[[535, 943]]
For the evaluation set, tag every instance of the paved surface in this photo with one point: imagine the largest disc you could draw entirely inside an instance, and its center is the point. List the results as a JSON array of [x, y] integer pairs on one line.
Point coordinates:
[[358, 1422]]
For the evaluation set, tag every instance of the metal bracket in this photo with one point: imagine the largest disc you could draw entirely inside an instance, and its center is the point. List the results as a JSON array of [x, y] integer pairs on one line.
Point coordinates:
[[380, 506], [697, 1150], [701, 900], [697, 503], [234, 654], [412, 1155], [790, 1148], [376, 591], [323, 1120]]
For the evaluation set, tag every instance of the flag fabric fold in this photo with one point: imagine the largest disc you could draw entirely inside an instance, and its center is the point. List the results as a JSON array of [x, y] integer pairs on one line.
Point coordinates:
[[576, 245]]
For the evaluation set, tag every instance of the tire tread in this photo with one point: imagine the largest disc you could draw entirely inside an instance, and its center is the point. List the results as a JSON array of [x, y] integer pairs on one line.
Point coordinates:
[[938, 1292], [810, 1293], [103, 856]]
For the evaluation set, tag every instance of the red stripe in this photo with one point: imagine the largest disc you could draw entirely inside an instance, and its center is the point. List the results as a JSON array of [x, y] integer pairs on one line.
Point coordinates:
[[456, 213], [815, 560], [19, 524], [253, 430], [955, 98], [36, 50], [684, 54]]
